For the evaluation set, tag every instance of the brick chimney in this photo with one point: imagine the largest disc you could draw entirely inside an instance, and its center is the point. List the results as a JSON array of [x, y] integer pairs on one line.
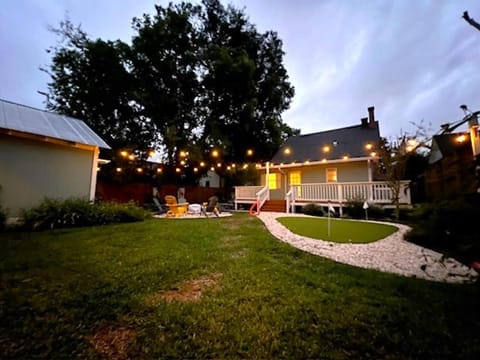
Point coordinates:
[[364, 122], [371, 117]]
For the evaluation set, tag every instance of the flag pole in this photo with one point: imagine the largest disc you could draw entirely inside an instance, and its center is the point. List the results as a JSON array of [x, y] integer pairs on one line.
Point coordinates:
[[328, 221]]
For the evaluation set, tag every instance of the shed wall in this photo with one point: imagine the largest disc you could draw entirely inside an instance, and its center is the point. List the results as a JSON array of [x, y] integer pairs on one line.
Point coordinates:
[[32, 170]]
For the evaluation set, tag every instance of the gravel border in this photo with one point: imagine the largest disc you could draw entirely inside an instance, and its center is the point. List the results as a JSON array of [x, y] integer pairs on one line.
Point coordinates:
[[391, 254]]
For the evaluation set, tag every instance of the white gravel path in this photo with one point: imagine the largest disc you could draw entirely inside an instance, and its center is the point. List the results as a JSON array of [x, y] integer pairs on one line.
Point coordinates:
[[391, 254]]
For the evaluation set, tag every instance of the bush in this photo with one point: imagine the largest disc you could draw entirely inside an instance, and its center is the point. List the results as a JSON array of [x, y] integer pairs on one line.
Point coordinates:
[[3, 218], [450, 226], [313, 209], [354, 209], [73, 212], [3, 215]]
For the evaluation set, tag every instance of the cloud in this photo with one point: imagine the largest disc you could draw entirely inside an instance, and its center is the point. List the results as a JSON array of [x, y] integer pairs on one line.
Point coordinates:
[[412, 60]]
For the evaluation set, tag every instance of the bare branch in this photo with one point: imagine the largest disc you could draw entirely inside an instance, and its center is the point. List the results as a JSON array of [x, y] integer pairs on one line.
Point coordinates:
[[471, 21]]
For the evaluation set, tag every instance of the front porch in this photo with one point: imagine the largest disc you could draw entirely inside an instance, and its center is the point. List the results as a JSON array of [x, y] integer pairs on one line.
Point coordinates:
[[324, 194]]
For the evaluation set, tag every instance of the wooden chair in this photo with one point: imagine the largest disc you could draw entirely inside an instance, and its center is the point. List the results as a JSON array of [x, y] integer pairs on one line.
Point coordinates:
[[175, 209], [211, 206]]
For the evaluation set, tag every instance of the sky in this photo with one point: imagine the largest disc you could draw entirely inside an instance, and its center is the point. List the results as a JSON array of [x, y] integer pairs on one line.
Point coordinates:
[[416, 61]]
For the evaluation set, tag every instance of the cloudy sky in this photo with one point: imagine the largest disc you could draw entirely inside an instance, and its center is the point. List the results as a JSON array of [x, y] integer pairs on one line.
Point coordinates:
[[414, 60]]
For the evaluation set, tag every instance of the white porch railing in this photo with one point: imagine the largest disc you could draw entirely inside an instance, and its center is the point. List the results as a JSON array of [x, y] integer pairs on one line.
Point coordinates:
[[262, 196], [248, 194], [376, 192]]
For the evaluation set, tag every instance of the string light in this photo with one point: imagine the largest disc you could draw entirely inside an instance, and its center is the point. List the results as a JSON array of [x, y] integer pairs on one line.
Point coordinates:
[[215, 153], [118, 169], [326, 149], [369, 146], [139, 170], [159, 170], [249, 152], [287, 151], [124, 153], [461, 138]]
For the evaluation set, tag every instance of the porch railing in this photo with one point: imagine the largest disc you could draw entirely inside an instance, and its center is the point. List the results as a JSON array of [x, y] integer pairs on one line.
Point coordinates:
[[376, 192], [248, 194]]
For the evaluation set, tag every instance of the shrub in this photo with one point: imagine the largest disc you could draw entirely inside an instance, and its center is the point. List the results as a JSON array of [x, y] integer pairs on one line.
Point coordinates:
[[354, 209], [449, 225], [3, 218], [3, 215], [74, 212], [313, 209]]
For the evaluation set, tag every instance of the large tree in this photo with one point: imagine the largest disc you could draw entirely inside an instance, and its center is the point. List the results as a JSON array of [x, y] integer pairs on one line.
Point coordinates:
[[91, 81], [245, 84], [165, 66], [194, 78]]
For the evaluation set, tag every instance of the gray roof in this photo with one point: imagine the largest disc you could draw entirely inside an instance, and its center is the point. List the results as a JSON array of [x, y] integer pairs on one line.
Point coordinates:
[[348, 141], [39, 122]]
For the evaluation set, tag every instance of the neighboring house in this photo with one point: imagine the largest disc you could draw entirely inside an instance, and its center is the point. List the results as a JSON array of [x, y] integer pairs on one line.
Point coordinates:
[[210, 179], [329, 167], [43, 154], [451, 166]]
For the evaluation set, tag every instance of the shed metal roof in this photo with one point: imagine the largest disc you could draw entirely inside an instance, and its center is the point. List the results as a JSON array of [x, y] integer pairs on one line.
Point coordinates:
[[39, 122], [348, 141]]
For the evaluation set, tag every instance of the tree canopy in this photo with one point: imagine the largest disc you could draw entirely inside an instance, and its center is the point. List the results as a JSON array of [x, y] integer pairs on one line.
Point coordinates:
[[194, 78]]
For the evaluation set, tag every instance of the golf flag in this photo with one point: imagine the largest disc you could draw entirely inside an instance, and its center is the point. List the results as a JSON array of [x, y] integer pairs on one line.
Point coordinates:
[[330, 208], [365, 207]]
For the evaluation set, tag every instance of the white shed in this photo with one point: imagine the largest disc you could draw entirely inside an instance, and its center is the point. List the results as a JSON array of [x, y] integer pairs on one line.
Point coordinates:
[[43, 154]]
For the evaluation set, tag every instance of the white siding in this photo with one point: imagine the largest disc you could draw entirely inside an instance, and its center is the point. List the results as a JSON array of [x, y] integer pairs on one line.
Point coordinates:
[[32, 170]]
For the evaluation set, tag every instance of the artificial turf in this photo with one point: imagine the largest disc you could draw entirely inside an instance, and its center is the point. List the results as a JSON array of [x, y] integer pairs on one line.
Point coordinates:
[[342, 231]]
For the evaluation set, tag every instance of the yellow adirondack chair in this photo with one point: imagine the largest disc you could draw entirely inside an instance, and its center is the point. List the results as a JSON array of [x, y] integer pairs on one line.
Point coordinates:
[[175, 209]]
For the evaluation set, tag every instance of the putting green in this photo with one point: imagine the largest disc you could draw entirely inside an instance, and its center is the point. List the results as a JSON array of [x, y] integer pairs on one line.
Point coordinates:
[[342, 231]]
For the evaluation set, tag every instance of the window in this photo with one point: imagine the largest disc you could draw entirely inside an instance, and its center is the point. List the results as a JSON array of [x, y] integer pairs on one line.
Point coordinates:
[[332, 175], [273, 181], [295, 178]]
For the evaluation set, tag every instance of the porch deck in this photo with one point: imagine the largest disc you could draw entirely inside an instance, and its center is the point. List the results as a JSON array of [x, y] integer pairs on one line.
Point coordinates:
[[335, 194]]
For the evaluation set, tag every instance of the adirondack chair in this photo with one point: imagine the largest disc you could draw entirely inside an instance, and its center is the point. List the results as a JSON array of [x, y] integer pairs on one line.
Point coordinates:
[[211, 206], [175, 209]]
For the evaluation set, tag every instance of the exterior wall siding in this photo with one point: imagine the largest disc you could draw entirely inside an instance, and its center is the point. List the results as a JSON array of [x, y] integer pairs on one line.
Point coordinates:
[[346, 172], [31, 171]]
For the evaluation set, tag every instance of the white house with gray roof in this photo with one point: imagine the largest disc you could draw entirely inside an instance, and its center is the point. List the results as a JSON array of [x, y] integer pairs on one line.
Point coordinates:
[[43, 154], [327, 168]]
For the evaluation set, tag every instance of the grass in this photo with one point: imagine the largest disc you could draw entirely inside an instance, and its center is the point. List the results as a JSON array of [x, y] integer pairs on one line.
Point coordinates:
[[101, 292], [342, 231]]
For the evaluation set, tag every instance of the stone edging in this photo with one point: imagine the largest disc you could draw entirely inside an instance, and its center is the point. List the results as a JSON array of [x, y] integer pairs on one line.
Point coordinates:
[[391, 254]]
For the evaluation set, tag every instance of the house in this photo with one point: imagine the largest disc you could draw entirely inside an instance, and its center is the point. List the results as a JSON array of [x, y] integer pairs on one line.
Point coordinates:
[[327, 168], [451, 166], [43, 154]]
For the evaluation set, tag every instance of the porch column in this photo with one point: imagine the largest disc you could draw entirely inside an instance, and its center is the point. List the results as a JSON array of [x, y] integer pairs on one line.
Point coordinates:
[[370, 177], [267, 173]]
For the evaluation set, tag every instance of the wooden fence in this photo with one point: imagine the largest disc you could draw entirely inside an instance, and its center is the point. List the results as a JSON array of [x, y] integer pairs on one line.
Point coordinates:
[[141, 193]]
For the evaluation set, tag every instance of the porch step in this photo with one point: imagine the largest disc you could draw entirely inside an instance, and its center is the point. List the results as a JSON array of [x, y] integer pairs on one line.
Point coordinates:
[[275, 206]]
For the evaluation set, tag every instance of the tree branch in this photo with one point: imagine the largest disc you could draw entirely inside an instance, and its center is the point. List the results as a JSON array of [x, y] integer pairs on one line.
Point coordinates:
[[471, 21]]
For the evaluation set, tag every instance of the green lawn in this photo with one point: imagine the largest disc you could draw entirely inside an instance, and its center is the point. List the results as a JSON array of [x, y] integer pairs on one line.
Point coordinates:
[[342, 231], [216, 288]]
